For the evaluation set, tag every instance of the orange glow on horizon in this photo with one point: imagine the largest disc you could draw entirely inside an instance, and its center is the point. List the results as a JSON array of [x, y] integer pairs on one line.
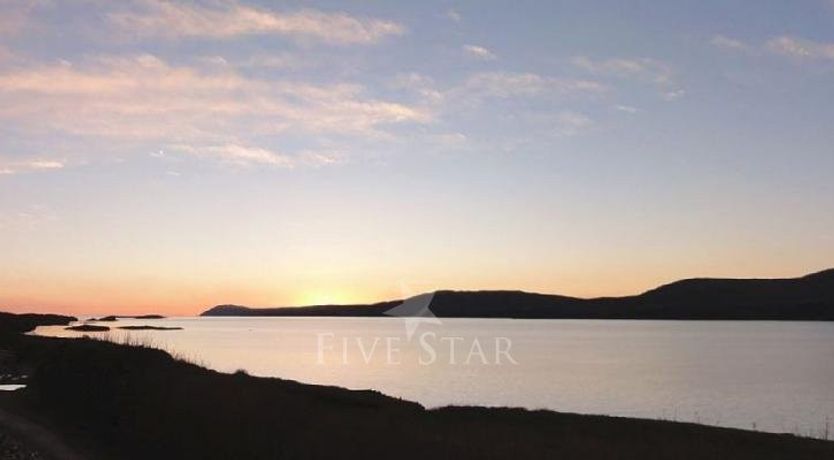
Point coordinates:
[[189, 297]]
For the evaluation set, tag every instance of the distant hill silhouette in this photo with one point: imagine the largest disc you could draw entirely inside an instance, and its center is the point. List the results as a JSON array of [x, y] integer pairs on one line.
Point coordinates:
[[808, 298]]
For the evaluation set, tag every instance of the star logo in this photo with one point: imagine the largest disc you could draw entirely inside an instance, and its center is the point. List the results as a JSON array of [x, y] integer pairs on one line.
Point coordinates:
[[415, 311]]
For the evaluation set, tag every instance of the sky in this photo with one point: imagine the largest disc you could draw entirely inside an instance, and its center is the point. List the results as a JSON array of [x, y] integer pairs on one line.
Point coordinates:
[[170, 156]]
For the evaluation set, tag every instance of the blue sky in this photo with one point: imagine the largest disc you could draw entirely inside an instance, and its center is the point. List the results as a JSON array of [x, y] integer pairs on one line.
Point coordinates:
[[176, 155]]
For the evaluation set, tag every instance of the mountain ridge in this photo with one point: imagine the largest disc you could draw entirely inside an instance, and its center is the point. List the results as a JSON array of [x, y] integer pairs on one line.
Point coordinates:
[[809, 297]]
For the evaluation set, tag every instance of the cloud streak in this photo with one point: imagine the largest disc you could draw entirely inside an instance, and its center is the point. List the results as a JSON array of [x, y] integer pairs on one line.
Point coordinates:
[[722, 41], [645, 68], [239, 155], [511, 84], [648, 70], [479, 52], [33, 165], [797, 48], [245, 156], [800, 48], [454, 15], [145, 97], [568, 123], [231, 19]]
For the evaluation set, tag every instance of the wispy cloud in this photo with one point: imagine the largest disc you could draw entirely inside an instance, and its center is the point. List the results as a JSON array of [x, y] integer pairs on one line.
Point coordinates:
[[32, 165], [249, 156], [649, 70], [143, 97], [800, 48], [450, 140], [797, 48], [275, 61], [283, 61], [509, 84], [722, 41], [525, 92], [238, 155], [626, 108], [673, 94], [230, 19], [421, 85], [479, 52], [568, 123], [454, 15]]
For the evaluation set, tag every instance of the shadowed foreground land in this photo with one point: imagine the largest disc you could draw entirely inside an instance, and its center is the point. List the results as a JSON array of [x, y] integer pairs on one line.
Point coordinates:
[[128, 402]]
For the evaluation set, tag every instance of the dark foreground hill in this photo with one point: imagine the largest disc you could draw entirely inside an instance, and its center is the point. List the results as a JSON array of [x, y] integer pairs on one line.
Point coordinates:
[[117, 401], [809, 298]]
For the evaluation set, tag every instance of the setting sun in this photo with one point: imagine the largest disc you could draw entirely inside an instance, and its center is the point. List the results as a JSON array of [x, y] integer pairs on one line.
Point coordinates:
[[324, 297]]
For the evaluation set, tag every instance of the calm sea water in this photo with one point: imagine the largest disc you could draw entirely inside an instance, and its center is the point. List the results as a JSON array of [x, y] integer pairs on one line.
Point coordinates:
[[769, 376]]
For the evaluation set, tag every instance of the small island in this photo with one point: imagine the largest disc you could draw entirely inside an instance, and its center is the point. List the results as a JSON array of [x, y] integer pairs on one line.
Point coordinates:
[[87, 328], [150, 328], [118, 317]]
